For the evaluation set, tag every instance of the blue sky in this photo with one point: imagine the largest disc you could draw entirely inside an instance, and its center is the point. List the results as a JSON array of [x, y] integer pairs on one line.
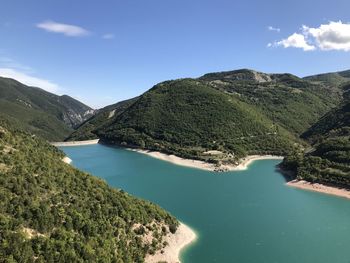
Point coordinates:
[[102, 52]]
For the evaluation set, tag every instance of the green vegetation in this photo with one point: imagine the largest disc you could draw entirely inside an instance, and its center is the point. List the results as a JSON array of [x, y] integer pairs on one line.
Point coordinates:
[[188, 117], [51, 212], [39, 112], [237, 113], [334, 124], [334, 79], [293, 103], [328, 162], [87, 130]]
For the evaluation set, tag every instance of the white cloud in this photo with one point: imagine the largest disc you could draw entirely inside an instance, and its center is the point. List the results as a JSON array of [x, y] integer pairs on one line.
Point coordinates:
[[29, 80], [331, 36], [6, 62], [276, 29], [296, 40], [66, 29], [108, 36]]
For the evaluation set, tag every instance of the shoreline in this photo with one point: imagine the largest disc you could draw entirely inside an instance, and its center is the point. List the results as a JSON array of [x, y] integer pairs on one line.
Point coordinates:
[[320, 188], [183, 237], [67, 160], [75, 143], [243, 165]]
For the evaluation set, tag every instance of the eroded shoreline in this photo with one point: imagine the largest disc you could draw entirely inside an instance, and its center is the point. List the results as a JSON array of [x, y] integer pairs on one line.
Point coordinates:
[[75, 143], [243, 165], [321, 188], [183, 237]]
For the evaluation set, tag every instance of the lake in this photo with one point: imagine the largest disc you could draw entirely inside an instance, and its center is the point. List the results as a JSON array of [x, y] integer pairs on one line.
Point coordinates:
[[245, 217]]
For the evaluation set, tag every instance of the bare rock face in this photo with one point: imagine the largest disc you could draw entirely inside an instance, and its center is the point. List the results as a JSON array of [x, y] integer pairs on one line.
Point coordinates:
[[74, 118], [239, 75], [74, 112]]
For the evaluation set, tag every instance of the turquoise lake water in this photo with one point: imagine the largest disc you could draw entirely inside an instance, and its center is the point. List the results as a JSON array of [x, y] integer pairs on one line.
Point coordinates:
[[249, 216]]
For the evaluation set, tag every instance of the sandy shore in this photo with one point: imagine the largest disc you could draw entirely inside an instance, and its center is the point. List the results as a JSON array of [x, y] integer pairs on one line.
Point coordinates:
[[183, 236], [301, 184], [244, 163], [67, 159], [75, 143]]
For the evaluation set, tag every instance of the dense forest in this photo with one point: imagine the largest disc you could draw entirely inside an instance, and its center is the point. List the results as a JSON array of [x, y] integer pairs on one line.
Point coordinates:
[[328, 161], [188, 118], [288, 100], [237, 113], [52, 212]]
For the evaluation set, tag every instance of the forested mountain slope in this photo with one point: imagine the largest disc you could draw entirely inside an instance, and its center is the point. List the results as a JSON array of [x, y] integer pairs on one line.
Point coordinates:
[[87, 130], [188, 117], [328, 161], [290, 101], [237, 112], [331, 79], [51, 212], [51, 116]]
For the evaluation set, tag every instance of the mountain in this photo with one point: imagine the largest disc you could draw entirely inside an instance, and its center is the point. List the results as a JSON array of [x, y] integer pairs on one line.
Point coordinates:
[[332, 79], [52, 212], [333, 124], [236, 113], [288, 100], [87, 130], [48, 115], [328, 161], [188, 118]]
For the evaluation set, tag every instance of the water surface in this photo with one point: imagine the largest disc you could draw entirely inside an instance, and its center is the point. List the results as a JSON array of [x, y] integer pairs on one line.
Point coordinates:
[[245, 217]]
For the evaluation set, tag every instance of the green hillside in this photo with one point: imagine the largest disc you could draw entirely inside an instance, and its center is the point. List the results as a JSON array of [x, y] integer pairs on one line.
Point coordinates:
[[335, 123], [328, 161], [188, 117], [237, 112], [292, 102], [87, 130], [332, 79], [45, 114], [51, 212]]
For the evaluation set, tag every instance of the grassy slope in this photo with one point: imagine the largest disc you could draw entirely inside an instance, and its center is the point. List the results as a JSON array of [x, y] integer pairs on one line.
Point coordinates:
[[51, 212], [38, 111]]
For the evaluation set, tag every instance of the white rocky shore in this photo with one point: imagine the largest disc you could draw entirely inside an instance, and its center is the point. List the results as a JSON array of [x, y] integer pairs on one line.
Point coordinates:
[[183, 236], [243, 164], [75, 143]]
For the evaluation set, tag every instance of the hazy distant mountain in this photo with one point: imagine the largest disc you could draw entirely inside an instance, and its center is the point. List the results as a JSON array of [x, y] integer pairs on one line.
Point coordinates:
[[40, 112]]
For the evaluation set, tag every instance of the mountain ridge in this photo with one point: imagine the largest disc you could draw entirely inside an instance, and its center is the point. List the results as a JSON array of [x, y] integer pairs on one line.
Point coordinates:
[[328, 160], [283, 101], [41, 112]]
